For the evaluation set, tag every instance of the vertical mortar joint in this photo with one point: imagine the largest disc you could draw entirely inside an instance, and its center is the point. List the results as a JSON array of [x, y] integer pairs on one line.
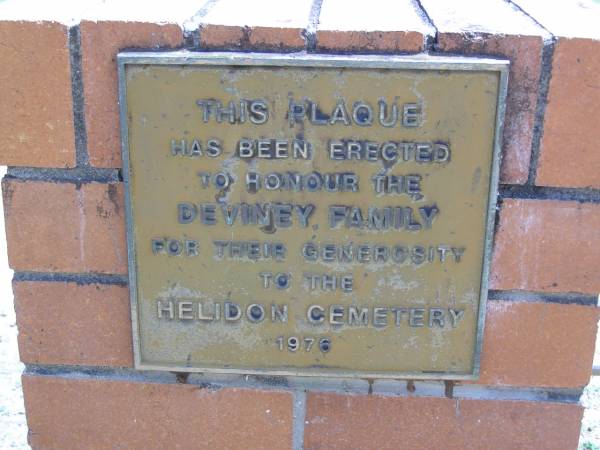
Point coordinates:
[[81, 151], [299, 419], [310, 32], [181, 377], [192, 27], [540, 108], [430, 41], [449, 388]]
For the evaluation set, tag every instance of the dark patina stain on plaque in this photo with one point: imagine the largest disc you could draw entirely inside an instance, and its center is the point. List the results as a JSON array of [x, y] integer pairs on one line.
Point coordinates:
[[309, 220]]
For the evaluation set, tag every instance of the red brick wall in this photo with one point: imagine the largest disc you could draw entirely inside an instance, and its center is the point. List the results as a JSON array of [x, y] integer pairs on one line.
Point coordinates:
[[63, 199]]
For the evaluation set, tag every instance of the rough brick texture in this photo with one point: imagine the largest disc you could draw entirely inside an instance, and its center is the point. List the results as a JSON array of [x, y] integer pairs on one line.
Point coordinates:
[[117, 414], [66, 323], [495, 28], [261, 24], [525, 54], [544, 245], [62, 227], [341, 422], [382, 26], [569, 153], [100, 43], [538, 344], [36, 114]]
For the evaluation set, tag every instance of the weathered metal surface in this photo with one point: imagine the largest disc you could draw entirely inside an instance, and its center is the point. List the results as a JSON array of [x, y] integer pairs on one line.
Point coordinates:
[[310, 215]]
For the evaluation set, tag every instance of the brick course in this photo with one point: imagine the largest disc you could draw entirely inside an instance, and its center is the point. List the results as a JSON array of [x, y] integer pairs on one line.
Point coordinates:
[[382, 26], [526, 344], [63, 227], [66, 323], [260, 25], [547, 246], [36, 106], [103, 414], [100, 43], [532, 344], [569, 153], [335, 421]]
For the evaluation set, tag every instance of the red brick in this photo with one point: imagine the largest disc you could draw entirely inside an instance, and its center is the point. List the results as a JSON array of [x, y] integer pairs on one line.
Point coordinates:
[[525, 55], [550, 246], [236, 37], [105, 248], [518, 424], [62, 227], [262, 24], [538, 344], [495, 28], [340, 422], [100, 43], [69, 413], [66, 323], [271, 37], [364, 41], [36, 107], [222, 36], [569, 155], [378, 26]]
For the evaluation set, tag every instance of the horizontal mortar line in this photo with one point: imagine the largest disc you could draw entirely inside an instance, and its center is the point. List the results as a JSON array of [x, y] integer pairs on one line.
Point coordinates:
[[79, 278], [566, 298], [583, 195], [77, 175], [344, 386], [497, 295], [101, 175]]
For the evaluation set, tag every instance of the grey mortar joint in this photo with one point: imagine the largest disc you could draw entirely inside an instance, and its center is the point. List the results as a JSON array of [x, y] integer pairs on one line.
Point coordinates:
[[79, 175], [193, 26], [540, 109], [310, 32], [79, 278], [298, 418], [530, 192], [542, 97], [562, 298], [301, 385], [493, 295], [81, 152], [429, 41]]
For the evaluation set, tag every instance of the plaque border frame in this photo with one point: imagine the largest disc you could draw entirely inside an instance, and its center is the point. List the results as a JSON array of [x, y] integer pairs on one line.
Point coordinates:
[[302, 59]]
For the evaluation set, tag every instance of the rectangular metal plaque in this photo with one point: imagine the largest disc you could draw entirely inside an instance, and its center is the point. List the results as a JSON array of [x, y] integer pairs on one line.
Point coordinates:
[[310, 215]]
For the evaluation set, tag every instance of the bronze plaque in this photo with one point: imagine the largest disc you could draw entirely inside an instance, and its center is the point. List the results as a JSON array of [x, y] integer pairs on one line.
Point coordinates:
[[310, 215]]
